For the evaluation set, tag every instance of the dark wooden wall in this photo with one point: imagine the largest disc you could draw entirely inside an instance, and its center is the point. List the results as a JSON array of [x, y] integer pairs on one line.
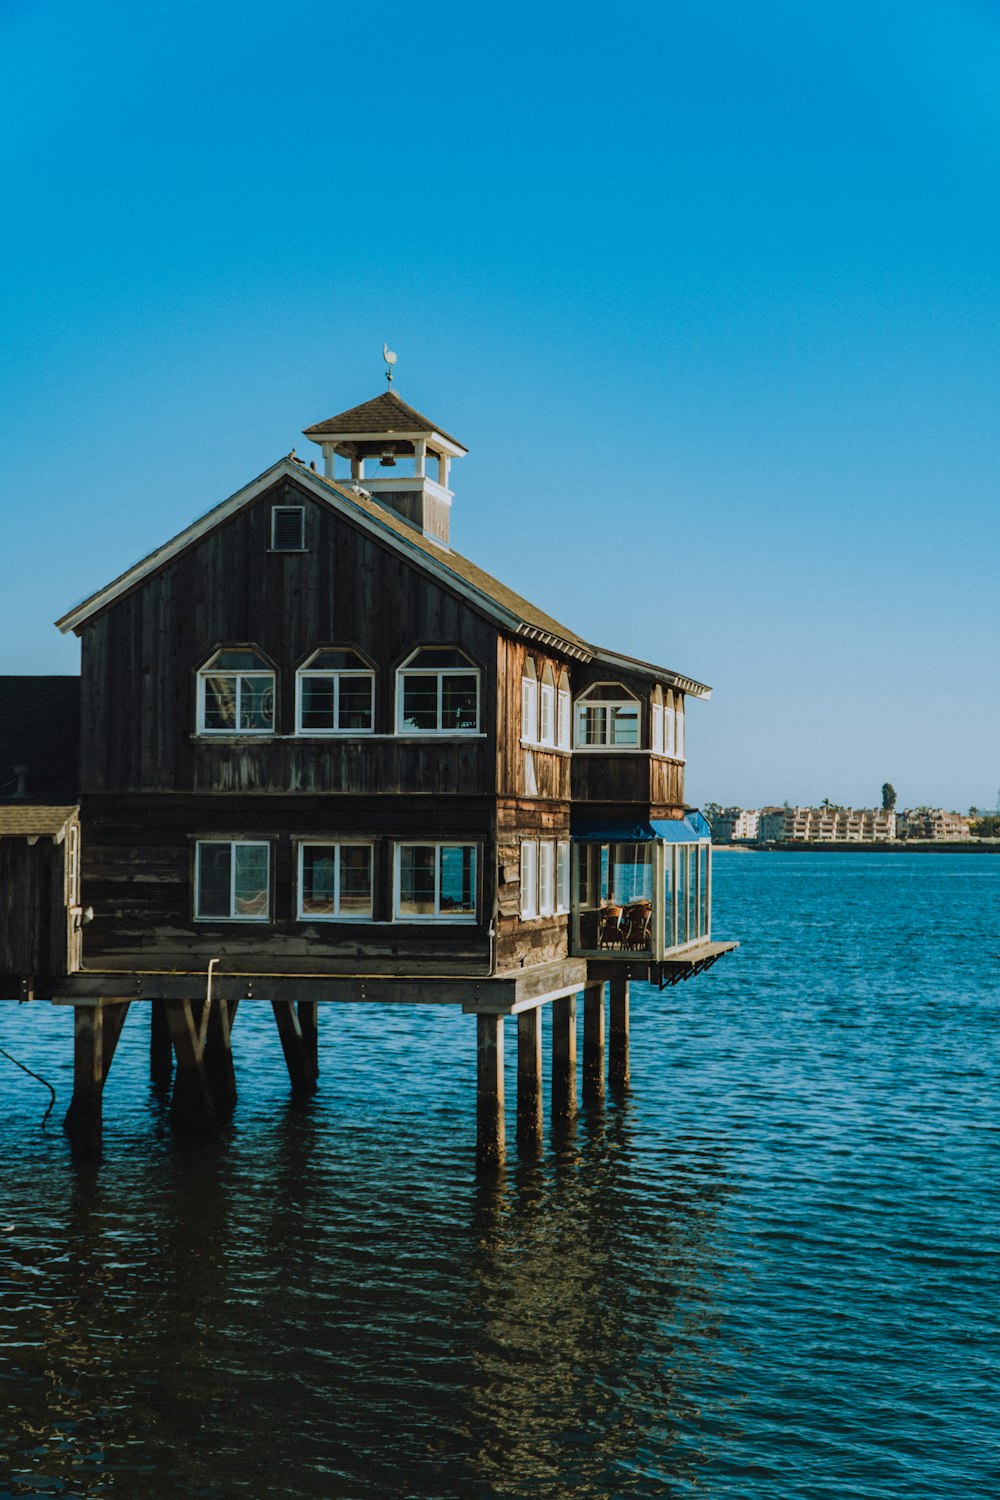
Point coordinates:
[[141, 656], [138, 874], [33, 917]]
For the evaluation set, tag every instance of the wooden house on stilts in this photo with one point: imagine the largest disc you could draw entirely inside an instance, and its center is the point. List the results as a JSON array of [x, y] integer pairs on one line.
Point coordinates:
[[325, 758]]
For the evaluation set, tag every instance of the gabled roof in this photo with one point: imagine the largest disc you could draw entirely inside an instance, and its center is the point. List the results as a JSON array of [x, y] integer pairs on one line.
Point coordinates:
[[485, 593], [384, 413], [32, 820]]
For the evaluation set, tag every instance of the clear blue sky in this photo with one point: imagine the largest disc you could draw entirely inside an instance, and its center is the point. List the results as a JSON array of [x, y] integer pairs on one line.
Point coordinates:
[[709, 290]]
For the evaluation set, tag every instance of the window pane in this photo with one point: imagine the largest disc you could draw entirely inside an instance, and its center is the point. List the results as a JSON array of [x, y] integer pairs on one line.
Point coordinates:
[[529, 712], [591, 725], [355, 703], [256, 702], [250, 893], [213, 880], [548, 725], [459, 697], [562, 877], [238, 661], [625, 725], [318, 879], [317, 703], [437, 657], [220, 702], [416, 880], [546, 879], [355, 880], [564, 720], [420, 702], [458, 881], [335, 661]]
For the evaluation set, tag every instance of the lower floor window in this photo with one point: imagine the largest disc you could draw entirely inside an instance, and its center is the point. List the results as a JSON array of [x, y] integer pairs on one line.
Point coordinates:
[[435, 881], [232, 881], [544, 878], [335, 880]]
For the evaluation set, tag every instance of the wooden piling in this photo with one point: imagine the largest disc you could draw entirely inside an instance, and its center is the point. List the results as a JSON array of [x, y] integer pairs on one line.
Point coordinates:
[[618, 1064], [593, 1044], [296, 1044], [564, 1058], [161, 1051], [308, 1013], [192, 1105], [96, 1029], [529, 1081], [490, 1138], [218, 1054]]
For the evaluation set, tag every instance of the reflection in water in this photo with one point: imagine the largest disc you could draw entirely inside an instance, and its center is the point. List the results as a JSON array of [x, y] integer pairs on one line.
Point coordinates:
[[573, 1270]]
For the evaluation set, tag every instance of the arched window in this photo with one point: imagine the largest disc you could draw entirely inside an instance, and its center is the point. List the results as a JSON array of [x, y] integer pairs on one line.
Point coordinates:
[[564, 713], [607, 716], [547, 708], [529, 702], [335, 694], [236, 693], [437, 692], [656, 741]]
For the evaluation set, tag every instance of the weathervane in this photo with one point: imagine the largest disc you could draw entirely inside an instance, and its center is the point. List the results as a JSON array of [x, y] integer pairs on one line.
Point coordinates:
[[390, 360]]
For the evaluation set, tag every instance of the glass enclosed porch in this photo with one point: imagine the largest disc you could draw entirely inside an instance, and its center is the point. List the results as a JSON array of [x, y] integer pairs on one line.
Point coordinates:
[[641, 891]]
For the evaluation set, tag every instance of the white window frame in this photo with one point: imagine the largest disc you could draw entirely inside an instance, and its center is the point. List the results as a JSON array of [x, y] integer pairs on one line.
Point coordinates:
[[238, 673], [562, 877], [302, 527], [468, 918], [670, 727], [656, 739], [336, 916], [529, 879], [336, 673], [547, 709], [546, 878], [607, 696], [405, 671], [564, 714], [680, 727], [232, 845], [529, 703]]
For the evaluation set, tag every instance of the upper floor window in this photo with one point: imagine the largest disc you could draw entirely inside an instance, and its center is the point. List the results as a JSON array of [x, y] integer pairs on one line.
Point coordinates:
[[236, 693], [529, 702], [679, 728], [232, 881], [335, 694], [547, 708], [656, 741], [564, 713], [437, 693], [288, 528], [607, 714]]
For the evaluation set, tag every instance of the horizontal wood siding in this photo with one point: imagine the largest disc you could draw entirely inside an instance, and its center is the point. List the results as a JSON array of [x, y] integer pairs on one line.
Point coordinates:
[[540, 939], [140, 658], [138, 874], [627, 777]]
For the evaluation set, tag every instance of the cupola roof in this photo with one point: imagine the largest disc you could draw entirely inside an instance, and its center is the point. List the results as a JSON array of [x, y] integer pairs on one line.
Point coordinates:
[[384, 414]]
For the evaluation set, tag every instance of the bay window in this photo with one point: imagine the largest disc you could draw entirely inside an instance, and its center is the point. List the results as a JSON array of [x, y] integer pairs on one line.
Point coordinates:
[[607, 717]]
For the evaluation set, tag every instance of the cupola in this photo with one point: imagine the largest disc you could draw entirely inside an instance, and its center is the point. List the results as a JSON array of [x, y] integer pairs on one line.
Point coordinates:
[[401, 458]]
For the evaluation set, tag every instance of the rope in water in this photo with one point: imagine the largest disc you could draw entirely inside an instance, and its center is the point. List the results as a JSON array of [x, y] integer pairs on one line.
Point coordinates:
[[38, 1078]]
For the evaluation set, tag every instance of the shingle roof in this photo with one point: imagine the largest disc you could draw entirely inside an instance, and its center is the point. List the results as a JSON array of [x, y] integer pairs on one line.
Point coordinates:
[[31, 820], [384, 413]]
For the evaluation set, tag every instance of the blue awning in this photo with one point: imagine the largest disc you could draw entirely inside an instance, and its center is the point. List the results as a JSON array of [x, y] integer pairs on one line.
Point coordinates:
[[690, 829]]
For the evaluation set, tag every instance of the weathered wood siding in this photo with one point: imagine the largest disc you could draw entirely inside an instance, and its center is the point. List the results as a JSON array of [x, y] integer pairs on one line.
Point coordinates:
[[627, 776], [540, 939], [552, 767], [138, 874], [35, 929], [141, 656]]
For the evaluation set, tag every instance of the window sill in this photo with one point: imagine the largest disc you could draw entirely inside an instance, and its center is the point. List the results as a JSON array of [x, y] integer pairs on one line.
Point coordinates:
[[220, 737], [546, 749]]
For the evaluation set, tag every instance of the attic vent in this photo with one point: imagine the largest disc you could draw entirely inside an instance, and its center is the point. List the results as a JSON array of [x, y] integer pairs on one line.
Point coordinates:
[[288, 528]]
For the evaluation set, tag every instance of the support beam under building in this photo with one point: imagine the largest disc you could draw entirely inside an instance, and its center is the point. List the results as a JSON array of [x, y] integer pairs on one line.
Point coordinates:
[[618, 1063], [529, 1081], [297, 1043], [490, 1135], [96, 1029], [593, 1044], [564, 1059]]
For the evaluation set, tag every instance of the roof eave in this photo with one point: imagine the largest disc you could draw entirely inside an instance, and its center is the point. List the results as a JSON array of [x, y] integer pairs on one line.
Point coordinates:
[[686, 685]]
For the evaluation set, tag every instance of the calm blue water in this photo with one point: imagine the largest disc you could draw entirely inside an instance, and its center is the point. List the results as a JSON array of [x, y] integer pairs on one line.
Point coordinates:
[[770, 1272]]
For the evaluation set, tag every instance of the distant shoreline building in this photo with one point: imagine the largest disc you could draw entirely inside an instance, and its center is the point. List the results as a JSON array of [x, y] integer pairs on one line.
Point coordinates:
[[836, 825]]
